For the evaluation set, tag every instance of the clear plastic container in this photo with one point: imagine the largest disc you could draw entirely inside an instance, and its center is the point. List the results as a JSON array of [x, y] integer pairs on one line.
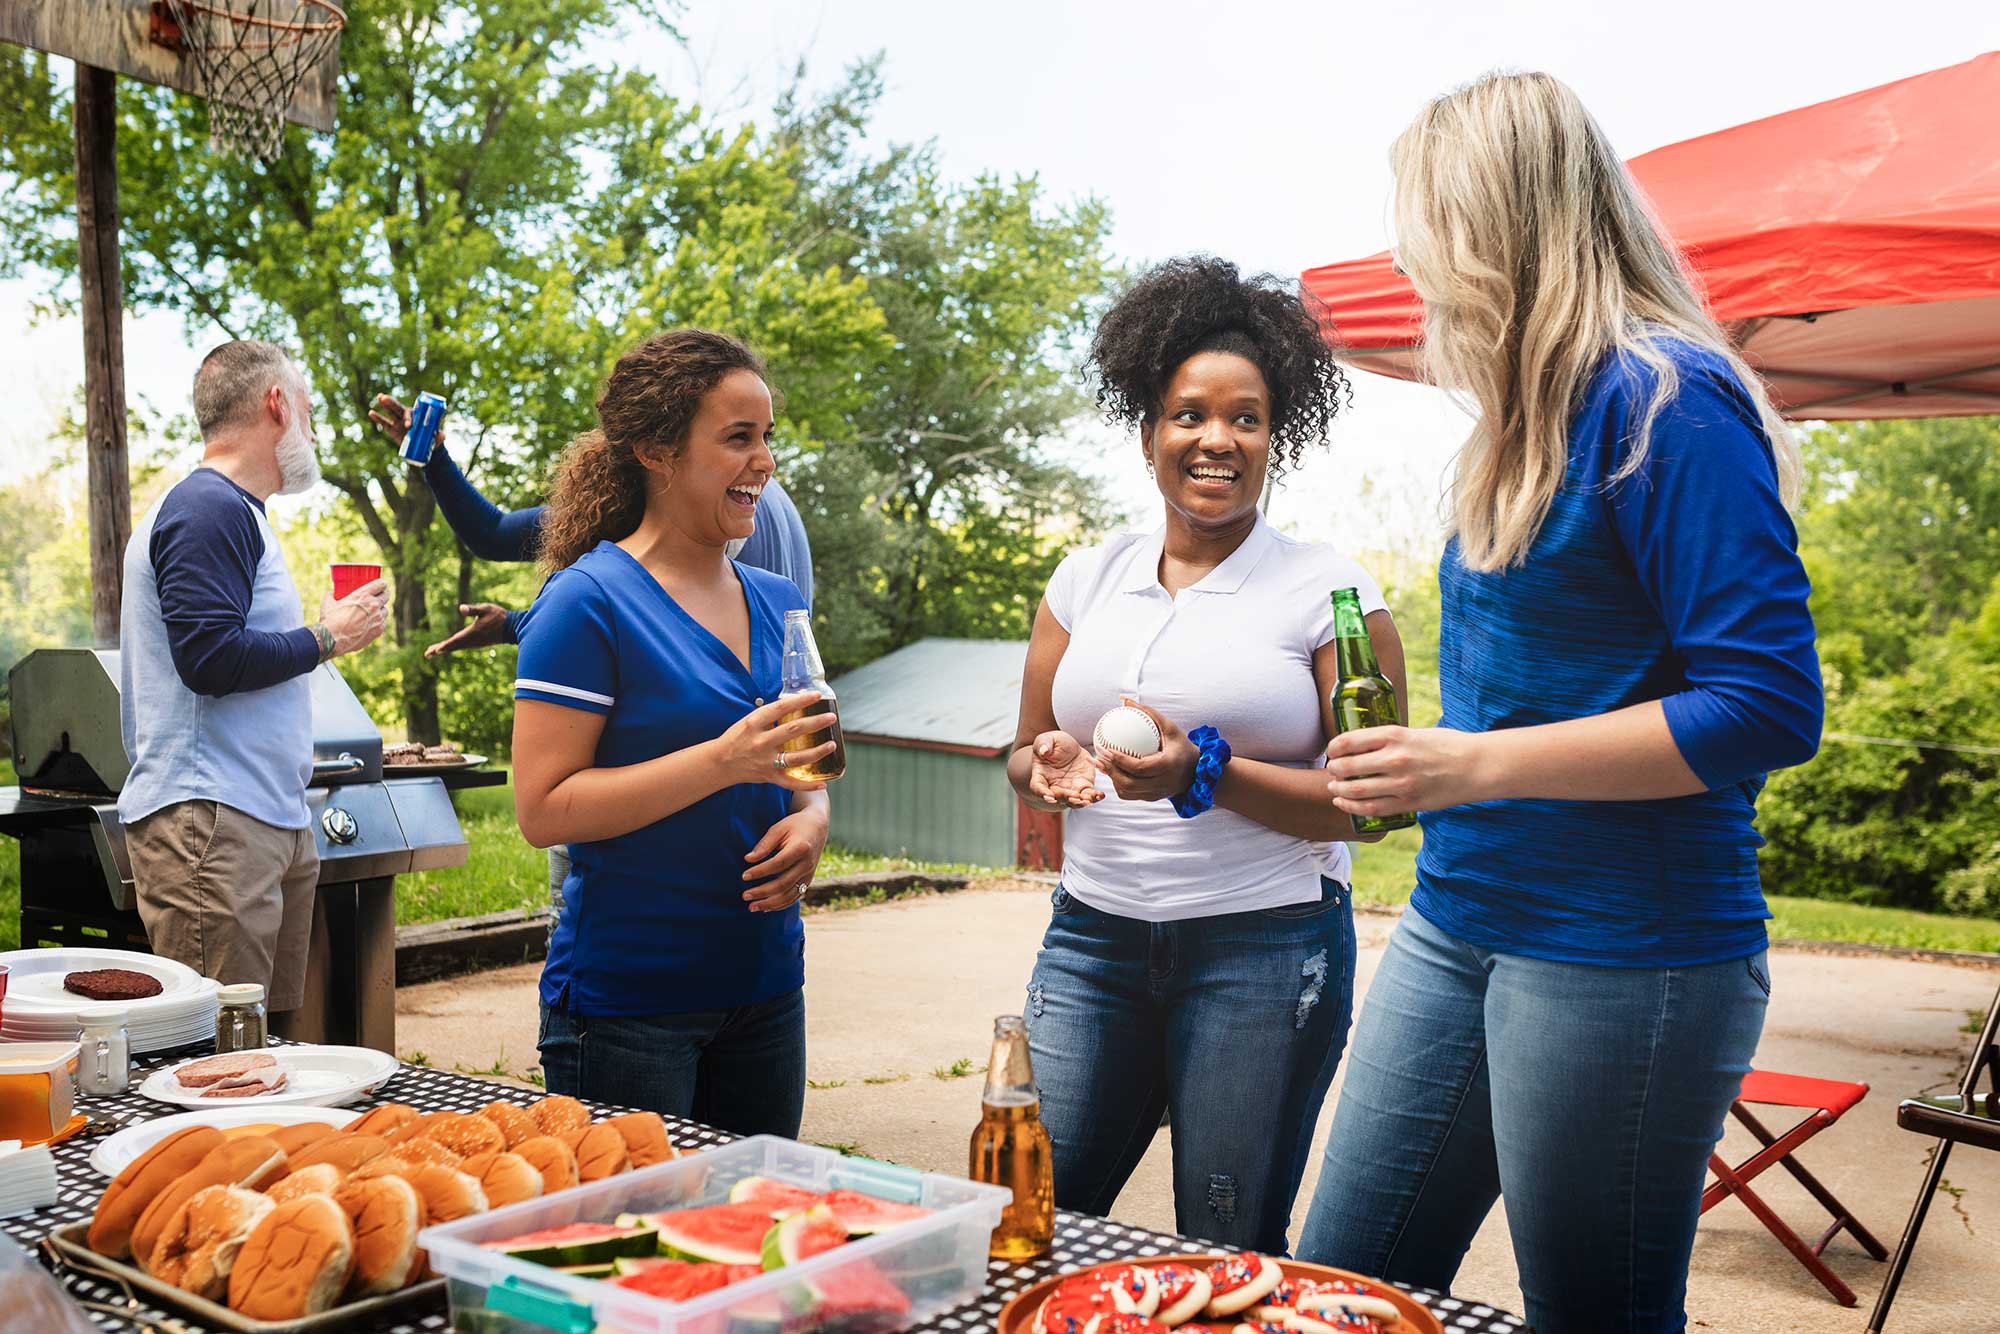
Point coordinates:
[[934, 1263]]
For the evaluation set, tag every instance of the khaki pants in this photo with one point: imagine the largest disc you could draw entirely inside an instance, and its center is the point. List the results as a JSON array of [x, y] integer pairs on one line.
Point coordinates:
[[227, 895]]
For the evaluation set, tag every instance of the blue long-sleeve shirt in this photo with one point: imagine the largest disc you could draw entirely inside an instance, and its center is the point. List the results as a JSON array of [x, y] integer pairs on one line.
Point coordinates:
[[205, 549], [1680, 583], [777, 544]]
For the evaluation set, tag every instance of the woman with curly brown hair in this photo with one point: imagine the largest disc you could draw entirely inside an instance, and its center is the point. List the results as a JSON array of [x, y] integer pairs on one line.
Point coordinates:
[[648, 736], [1200, 958]]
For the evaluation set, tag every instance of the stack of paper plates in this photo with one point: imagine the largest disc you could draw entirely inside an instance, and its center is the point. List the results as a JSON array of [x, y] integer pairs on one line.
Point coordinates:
[[27, 1178], [37, 1009]]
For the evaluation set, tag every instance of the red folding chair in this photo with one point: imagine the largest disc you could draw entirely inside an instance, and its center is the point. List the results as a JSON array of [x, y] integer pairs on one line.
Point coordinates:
[[1825, 1100]]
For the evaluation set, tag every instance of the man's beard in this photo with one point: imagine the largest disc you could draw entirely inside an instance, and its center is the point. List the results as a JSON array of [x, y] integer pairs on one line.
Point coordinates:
[[298, 464]]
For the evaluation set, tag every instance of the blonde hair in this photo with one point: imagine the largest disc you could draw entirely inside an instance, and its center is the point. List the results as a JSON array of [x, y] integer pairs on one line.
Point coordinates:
[[1536, 257]]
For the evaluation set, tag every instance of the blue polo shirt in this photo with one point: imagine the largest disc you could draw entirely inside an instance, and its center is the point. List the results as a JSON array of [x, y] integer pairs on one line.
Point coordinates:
[[654, 921]]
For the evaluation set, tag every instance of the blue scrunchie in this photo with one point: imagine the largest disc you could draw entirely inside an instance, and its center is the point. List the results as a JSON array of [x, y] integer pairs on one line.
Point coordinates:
[[1207, 773]]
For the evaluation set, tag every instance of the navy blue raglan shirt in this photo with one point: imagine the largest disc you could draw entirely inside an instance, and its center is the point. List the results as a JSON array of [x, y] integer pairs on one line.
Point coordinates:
[[205, 549]]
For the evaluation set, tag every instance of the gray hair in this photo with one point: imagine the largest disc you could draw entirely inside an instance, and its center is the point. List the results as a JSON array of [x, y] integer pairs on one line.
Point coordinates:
[[234, 378]]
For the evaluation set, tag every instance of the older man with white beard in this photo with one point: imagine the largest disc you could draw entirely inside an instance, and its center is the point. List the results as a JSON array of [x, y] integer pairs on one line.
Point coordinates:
[[217, 707]]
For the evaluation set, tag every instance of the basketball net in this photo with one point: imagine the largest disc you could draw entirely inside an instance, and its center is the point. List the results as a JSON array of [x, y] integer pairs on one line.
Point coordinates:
[[249, 56]]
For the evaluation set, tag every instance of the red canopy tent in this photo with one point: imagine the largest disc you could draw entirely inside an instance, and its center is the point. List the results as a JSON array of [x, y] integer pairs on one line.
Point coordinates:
[[1852, 248]]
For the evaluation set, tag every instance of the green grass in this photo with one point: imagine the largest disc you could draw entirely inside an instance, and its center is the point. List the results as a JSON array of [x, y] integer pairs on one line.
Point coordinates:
[[503, 872]]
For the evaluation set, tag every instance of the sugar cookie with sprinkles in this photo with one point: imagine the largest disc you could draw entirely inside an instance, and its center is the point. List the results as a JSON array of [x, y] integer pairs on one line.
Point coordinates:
[[1241, 1282], [1132, 1288], [1184, 1293]]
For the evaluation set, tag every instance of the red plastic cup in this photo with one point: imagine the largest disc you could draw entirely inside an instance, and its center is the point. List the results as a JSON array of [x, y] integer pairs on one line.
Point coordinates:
[[3, 985], [347, 578]]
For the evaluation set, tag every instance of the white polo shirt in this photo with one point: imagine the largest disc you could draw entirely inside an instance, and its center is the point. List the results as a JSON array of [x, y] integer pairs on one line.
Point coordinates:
[[1233, 651]]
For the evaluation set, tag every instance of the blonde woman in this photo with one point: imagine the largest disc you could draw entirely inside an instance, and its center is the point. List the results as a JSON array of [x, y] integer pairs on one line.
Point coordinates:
[[1566, 1011]]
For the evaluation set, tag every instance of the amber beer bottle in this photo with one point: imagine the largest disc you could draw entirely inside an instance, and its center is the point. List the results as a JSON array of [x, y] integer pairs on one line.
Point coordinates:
[[1362, 696], [1010, 1146], [802, 672]]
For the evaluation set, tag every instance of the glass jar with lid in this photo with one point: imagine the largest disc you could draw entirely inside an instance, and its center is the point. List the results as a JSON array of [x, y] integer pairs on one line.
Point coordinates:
[[241, 1024], [104, 1064]]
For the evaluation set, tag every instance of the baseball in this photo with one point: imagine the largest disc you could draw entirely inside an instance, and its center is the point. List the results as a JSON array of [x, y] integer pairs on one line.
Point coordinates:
[[1128, 731]]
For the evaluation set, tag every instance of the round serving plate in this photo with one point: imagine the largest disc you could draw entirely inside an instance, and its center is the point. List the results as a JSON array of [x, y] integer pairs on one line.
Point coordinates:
[[119, 1151], [35, 979], [1018, 1315], [315, 1077]]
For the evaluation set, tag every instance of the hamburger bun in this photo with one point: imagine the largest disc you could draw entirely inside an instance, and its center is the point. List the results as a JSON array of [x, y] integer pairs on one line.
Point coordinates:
[[410, 1130], [386, 1215], [555, 1160], [381, 1120], [252, 1163], [423, 1150], [645, 1136], [464, 1134], [447, 1192], [198, 1247], [318, 1179], [600, 1153], [296, 1262], [559, 1115], [126, 1198], [507, 1178], [346, 1152], [294, 1139], [514, 1122]]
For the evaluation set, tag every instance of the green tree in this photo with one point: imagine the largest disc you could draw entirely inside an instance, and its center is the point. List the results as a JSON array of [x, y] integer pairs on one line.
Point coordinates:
[[1901, 534], [494, 220]]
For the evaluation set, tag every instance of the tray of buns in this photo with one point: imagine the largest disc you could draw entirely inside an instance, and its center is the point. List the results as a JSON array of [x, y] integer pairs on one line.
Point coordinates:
[[311, 1226], [69, 1244]]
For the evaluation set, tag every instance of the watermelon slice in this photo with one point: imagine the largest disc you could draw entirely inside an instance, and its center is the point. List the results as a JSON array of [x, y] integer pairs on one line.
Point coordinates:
[[727, 1234], [798, 1236], [779, 1197], [580, 1243], [857, 1299], [679, 1280], [864, 1215]]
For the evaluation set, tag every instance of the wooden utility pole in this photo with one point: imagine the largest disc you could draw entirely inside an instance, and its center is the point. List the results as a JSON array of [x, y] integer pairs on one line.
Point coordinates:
[[103, 344]]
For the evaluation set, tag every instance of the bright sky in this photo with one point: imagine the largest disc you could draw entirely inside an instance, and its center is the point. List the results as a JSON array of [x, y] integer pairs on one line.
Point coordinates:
[[1256, 129]]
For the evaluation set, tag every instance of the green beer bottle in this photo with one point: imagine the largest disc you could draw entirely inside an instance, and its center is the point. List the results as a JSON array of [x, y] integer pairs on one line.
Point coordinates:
[[1362, 696]]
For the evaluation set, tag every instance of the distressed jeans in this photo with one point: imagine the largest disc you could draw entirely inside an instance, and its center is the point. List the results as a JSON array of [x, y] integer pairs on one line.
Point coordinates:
[[1230, 1025], [1586, 1098]]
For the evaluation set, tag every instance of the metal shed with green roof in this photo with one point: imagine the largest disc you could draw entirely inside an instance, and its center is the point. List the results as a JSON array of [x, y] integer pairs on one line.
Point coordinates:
[[928, 729]]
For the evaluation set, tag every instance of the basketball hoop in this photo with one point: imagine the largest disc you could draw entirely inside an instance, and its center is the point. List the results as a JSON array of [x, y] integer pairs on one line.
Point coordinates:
[[249, 56]]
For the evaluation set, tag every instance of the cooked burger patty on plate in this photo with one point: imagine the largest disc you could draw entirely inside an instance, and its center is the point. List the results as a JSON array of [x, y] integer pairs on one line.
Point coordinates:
[[112, 984]]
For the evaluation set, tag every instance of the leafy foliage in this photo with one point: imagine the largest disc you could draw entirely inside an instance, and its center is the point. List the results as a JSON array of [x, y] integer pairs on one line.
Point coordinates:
[[1901, 533], [499, 215]]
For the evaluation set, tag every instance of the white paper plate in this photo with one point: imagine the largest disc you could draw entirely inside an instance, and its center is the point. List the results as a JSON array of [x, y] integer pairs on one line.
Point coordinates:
[[317, 1077], [118, 1152], [35, 977]]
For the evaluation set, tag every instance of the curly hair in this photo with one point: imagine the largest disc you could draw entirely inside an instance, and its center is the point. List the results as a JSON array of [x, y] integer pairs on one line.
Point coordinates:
[[1199, 303], [643, 416]]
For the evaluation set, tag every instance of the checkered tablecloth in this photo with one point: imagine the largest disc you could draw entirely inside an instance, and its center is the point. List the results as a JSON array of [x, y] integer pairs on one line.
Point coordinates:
[[1080, 1241]]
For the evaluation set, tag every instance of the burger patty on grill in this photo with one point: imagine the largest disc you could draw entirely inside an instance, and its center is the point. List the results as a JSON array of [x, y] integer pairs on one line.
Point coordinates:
[[112, 984]]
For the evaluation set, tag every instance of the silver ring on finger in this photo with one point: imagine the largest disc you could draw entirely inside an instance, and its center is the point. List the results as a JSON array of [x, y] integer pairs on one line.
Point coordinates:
[[777, 761]]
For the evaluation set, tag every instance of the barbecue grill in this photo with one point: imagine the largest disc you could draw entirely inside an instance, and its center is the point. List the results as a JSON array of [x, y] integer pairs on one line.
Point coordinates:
[[76, 879]]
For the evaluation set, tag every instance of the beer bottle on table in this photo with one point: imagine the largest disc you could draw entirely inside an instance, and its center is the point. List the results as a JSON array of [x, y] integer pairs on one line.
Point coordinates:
[[1010, 1146], [803, 672], [1362, 696]]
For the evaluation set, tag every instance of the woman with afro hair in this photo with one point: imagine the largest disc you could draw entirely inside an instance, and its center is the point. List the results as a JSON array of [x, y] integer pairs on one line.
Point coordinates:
[[1199, 961]]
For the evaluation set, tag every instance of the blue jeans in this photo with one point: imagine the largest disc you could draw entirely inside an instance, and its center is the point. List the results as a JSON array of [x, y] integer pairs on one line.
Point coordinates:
[[741, 1070], [1587, 1098], [1230, 1025]]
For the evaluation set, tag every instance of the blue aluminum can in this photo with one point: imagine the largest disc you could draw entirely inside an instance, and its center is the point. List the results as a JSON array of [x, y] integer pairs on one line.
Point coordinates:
[[425, 416]]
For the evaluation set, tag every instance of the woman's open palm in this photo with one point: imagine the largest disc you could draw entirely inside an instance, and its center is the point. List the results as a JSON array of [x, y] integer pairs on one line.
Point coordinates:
[[1061, 771]]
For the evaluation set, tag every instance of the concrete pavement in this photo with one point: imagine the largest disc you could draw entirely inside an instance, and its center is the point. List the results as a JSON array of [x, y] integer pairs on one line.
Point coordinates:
[[902, 994]]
